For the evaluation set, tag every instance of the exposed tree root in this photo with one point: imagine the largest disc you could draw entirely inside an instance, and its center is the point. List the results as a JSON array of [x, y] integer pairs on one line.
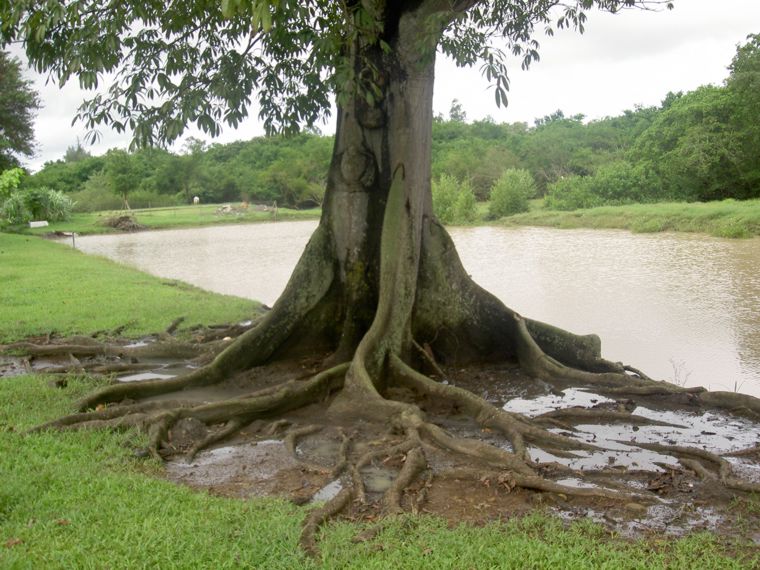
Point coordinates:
[[291, 441], [231, 427], [509, 480], [318, 516], [515, 427], [591, 415], [414, 464], [725, 473]]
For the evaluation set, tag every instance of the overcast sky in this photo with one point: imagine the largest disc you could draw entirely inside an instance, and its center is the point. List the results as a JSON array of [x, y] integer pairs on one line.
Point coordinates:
[[633, 58]]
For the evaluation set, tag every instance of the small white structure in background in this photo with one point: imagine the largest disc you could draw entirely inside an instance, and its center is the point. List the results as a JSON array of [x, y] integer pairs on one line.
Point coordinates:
[[42, 224], [196, 200]]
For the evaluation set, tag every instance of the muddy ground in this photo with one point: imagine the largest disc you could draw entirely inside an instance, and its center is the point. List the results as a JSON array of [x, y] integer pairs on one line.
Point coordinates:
[[669, 497]]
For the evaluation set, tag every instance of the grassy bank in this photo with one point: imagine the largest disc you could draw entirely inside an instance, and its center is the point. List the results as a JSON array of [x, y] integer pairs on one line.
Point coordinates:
[[727, 218], [51, 287], [84, 500], [173, 217]]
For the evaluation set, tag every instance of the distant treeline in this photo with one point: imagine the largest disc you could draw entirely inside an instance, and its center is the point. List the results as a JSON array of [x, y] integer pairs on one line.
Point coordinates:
[[698, 146]]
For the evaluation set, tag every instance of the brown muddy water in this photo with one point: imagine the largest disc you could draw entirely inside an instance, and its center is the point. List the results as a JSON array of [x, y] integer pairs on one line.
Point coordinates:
[[684, 308]]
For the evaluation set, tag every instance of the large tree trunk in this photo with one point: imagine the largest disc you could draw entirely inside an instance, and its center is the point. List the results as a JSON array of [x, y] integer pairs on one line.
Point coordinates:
[[380, 274]]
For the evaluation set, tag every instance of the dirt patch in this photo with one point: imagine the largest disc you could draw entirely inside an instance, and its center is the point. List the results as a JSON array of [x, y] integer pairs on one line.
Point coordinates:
[[265, 459], [670, 498], [124, 223]]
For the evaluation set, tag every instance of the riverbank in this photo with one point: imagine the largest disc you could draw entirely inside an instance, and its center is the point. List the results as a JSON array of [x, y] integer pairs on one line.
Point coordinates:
[[173, 217], [84, 499], [50, 287], [727, 218]]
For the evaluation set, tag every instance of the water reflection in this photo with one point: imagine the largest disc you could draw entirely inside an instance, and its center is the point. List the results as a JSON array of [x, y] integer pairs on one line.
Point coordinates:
[[679, 306]]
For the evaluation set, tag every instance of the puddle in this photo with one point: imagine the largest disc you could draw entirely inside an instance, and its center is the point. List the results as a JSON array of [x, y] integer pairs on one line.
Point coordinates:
[[329, 491], [145, 376], [550, 402], [377, 479], [246, 469], [710, 431]]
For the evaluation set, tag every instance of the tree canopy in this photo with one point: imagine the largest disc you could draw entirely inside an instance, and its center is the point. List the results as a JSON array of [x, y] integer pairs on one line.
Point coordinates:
[[18, 104], [157, 68]]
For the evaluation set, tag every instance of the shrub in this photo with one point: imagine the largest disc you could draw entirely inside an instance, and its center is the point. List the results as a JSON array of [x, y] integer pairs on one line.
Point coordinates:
[[571, 193], [445, 191], [39, 203], [465, 206], [511, 192], [621, 182], [453, 201], [14, 210]]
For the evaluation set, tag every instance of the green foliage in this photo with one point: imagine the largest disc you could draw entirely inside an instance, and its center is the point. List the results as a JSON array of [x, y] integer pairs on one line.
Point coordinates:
[[465, 206], [511, 192], [445, 192], [453, 201], [9, 182], [96, 195], [38, 203], [121, 173], [48, 204], [14, 210], [201, 64], [152, 199], [693, 148], [18, 104], [571, 193], [744, 86], [20, 205]]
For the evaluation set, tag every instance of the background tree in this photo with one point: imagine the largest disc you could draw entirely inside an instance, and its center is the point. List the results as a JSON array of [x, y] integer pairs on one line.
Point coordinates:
[[121, 174], [693, 149], [379, 294], [744, 86], [76, 153], [18, 104]]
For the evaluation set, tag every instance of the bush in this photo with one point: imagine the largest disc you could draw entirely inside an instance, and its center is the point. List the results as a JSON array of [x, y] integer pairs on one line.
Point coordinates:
[[511, 192], [445, 191], [619, 183], [465, 206], [14, 210], [40, 203], [453, 201], [571, 193]]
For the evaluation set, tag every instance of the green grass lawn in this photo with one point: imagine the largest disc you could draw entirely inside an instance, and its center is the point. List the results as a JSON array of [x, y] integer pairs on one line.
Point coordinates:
[[171, 217], [48, 287], [84, 500], [727, 218]]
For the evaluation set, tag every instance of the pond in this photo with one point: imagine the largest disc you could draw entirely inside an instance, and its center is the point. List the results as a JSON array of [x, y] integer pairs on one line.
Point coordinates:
[[681, 307]]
